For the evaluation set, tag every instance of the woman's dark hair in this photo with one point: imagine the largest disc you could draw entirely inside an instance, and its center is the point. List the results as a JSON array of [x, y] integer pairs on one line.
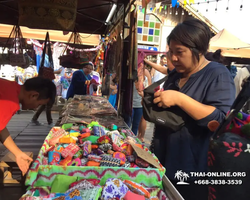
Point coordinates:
[[215, 56], [193, 34], [45, 87]]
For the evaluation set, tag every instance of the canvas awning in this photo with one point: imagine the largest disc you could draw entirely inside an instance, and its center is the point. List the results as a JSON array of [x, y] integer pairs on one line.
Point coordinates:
[[39, 34], [230, 45]]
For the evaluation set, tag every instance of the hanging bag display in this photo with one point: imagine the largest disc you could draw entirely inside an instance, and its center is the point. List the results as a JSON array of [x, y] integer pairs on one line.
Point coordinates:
[[72, 60], [47, 71], [16, 55], [173, 117], [106, 85], [229, 153]]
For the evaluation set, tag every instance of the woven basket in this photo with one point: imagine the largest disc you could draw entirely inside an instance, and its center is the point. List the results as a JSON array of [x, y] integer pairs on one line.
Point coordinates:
[[47, 14]]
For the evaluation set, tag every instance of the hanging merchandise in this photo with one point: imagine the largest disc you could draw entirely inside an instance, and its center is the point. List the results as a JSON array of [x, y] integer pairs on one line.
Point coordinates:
[[16, 55], [57, 51], [71, 60], [47, 14], [46, 69]]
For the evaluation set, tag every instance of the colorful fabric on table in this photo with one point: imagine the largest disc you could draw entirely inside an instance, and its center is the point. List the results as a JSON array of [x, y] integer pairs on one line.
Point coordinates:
[[94, 158], [83, 185], [137, 188], [98, 151], [45, 161], [70, 150], [120, 156], [93, 139], [75, 162], [105, 147], [91, 194], [114, 188], [61, 183], [98, 131], [110, 161], [116, 148], [67, 140], [54, 157], [131, 158], [73, 195], [79, 154], [93, 163], [94, 182], [66, 161], [59, 148], [86, 148], [141, 163], [126, 165], [103, 139], [84, 161], [131, 196]]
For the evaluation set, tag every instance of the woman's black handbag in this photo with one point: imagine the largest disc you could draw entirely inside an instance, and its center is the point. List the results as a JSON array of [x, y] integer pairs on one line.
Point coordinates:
[[229, 154], [173, 117]]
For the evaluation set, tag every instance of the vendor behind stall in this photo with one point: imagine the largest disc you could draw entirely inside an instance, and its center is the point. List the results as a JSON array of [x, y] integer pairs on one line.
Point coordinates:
[[80, 79], [35, 91]]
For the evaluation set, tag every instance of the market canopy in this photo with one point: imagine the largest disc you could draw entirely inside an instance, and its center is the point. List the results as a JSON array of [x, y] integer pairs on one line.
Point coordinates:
[[39, 34], [230, 45], [91, 15]]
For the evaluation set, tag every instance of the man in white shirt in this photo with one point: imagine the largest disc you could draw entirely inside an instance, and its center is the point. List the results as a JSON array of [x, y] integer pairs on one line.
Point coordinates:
[[242, 73], [156, 75]]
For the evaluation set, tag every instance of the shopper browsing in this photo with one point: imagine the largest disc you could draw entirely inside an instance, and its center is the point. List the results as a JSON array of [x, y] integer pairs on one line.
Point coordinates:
[[81, 79], [199, 91], [34, 92]]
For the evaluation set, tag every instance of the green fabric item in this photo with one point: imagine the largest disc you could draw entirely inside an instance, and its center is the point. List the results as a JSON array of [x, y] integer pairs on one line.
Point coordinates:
[[66, 126], [36, 194], [93, 124], [93, 139], [61, 183], [91, 194]]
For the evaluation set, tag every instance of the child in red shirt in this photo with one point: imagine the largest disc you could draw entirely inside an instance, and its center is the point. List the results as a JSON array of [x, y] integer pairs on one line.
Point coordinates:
[[36, 91]]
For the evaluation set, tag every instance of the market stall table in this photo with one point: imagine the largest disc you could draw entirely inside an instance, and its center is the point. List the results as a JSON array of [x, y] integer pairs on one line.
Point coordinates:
[[92, 147]]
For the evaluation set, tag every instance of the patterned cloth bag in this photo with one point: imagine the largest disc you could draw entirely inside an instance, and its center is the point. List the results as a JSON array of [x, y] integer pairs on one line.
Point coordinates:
[[229, 154]]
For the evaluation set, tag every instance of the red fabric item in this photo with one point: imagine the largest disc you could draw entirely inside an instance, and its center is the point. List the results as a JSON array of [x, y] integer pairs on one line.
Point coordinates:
[[9, 102], [131, 196]]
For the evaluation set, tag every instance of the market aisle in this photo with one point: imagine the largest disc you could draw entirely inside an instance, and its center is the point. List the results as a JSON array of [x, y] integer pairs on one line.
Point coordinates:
[[27, 136], [30, 137]]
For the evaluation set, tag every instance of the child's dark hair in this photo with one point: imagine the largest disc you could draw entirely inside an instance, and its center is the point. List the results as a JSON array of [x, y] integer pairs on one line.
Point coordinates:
[[215, 56], [193, 34], [45, 87]]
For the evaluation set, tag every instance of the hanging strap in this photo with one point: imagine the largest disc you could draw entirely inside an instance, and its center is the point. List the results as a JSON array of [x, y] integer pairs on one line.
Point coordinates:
[[47, 45], [239, 102]]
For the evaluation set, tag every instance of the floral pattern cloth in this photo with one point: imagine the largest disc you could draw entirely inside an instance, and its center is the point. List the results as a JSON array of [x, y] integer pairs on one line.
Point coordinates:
[[114, 188]]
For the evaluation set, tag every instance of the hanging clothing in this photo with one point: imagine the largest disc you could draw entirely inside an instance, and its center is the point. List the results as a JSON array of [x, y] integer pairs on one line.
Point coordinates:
[[112, 98], [78, 84]]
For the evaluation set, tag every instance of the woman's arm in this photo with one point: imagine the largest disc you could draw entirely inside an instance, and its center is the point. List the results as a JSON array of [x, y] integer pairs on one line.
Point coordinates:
[[193, 108], [147, 74], [113, 87], [217, 101], [157, 67]]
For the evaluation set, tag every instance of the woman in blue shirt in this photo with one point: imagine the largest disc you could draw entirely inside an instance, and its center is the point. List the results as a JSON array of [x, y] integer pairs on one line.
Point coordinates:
[[204, 91], [79, 80]]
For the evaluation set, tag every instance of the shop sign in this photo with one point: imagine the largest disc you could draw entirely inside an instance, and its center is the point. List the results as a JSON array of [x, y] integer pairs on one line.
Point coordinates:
[[147, 47]]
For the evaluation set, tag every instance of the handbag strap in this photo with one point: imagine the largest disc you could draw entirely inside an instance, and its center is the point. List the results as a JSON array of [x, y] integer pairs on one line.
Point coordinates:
[[239, 102], [156, 84], [47, 45]]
